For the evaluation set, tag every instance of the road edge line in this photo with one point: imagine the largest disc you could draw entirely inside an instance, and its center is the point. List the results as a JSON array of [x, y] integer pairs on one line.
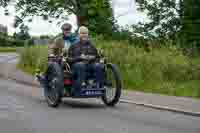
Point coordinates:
[[165, 108]]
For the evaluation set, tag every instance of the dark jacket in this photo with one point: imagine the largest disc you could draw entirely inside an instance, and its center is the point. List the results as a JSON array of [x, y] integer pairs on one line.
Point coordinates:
[[75, 51]]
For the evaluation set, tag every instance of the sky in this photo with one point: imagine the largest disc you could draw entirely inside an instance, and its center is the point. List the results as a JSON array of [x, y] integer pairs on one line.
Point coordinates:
[[124, 10]]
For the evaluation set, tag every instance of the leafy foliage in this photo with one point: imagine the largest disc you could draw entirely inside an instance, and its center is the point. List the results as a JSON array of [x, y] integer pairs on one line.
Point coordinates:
[[4, 42], [23, 34], [4, 3], [164, 18], [191, 23], [100, 18], [96, 14]]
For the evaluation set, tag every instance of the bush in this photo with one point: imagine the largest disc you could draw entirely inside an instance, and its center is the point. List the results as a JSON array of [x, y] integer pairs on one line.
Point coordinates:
[[161, 70], [7, 41], [32, 58]]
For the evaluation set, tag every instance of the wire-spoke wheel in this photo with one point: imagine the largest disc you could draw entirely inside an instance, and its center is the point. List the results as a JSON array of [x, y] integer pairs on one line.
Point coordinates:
[[55, 84], [113, 85]]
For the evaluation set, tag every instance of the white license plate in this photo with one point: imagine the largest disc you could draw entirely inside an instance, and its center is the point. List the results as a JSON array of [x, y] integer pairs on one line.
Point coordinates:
[[93, 92]]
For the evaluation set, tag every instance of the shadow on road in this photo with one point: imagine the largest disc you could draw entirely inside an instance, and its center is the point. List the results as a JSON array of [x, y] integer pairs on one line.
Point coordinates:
[[81, 104]]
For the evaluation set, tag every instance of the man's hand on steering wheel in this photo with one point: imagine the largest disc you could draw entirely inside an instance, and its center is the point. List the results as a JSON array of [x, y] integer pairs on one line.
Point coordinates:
[[88, 58]]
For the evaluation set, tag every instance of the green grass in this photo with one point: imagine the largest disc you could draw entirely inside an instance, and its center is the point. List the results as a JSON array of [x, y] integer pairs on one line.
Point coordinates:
[[189, 88], [164, 70], [8, 49], [33, 57], [26, 69]]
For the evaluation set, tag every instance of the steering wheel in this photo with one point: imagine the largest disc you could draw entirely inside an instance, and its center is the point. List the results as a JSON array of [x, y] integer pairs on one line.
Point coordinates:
[[88, 58]]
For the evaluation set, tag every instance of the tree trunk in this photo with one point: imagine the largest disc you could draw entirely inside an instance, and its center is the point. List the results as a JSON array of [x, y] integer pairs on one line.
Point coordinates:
[[82, 21]]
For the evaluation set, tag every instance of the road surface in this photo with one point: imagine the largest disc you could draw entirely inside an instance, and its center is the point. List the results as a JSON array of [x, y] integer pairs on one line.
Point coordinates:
[[8, 57], [23, 110]]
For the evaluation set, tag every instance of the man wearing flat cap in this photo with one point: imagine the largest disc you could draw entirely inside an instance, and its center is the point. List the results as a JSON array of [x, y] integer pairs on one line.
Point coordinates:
[[63, 42]]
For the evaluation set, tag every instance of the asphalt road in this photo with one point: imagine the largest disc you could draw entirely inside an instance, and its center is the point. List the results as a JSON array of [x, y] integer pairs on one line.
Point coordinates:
[[8, 57], [23, 110]]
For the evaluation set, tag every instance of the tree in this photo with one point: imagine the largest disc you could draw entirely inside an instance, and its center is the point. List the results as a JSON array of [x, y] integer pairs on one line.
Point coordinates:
[[23, 34], [191, 23], [44, 37], [165, 18], [100, 18], [4, 3], [97, 14]]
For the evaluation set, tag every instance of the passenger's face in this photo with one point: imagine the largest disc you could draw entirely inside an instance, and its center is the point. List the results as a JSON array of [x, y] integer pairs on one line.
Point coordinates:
[[66, 32], [83, 35]]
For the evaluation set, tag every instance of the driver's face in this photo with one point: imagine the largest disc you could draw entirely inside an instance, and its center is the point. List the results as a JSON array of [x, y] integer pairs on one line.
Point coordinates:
[[66, 32], [83, 35]]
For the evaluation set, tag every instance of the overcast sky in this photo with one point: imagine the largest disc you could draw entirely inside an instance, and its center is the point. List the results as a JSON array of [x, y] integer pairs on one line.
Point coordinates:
[[126, 8]]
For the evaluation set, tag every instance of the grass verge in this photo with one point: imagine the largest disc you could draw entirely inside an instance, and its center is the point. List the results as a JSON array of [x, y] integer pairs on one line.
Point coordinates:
[[163, 70], [8, 49]]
